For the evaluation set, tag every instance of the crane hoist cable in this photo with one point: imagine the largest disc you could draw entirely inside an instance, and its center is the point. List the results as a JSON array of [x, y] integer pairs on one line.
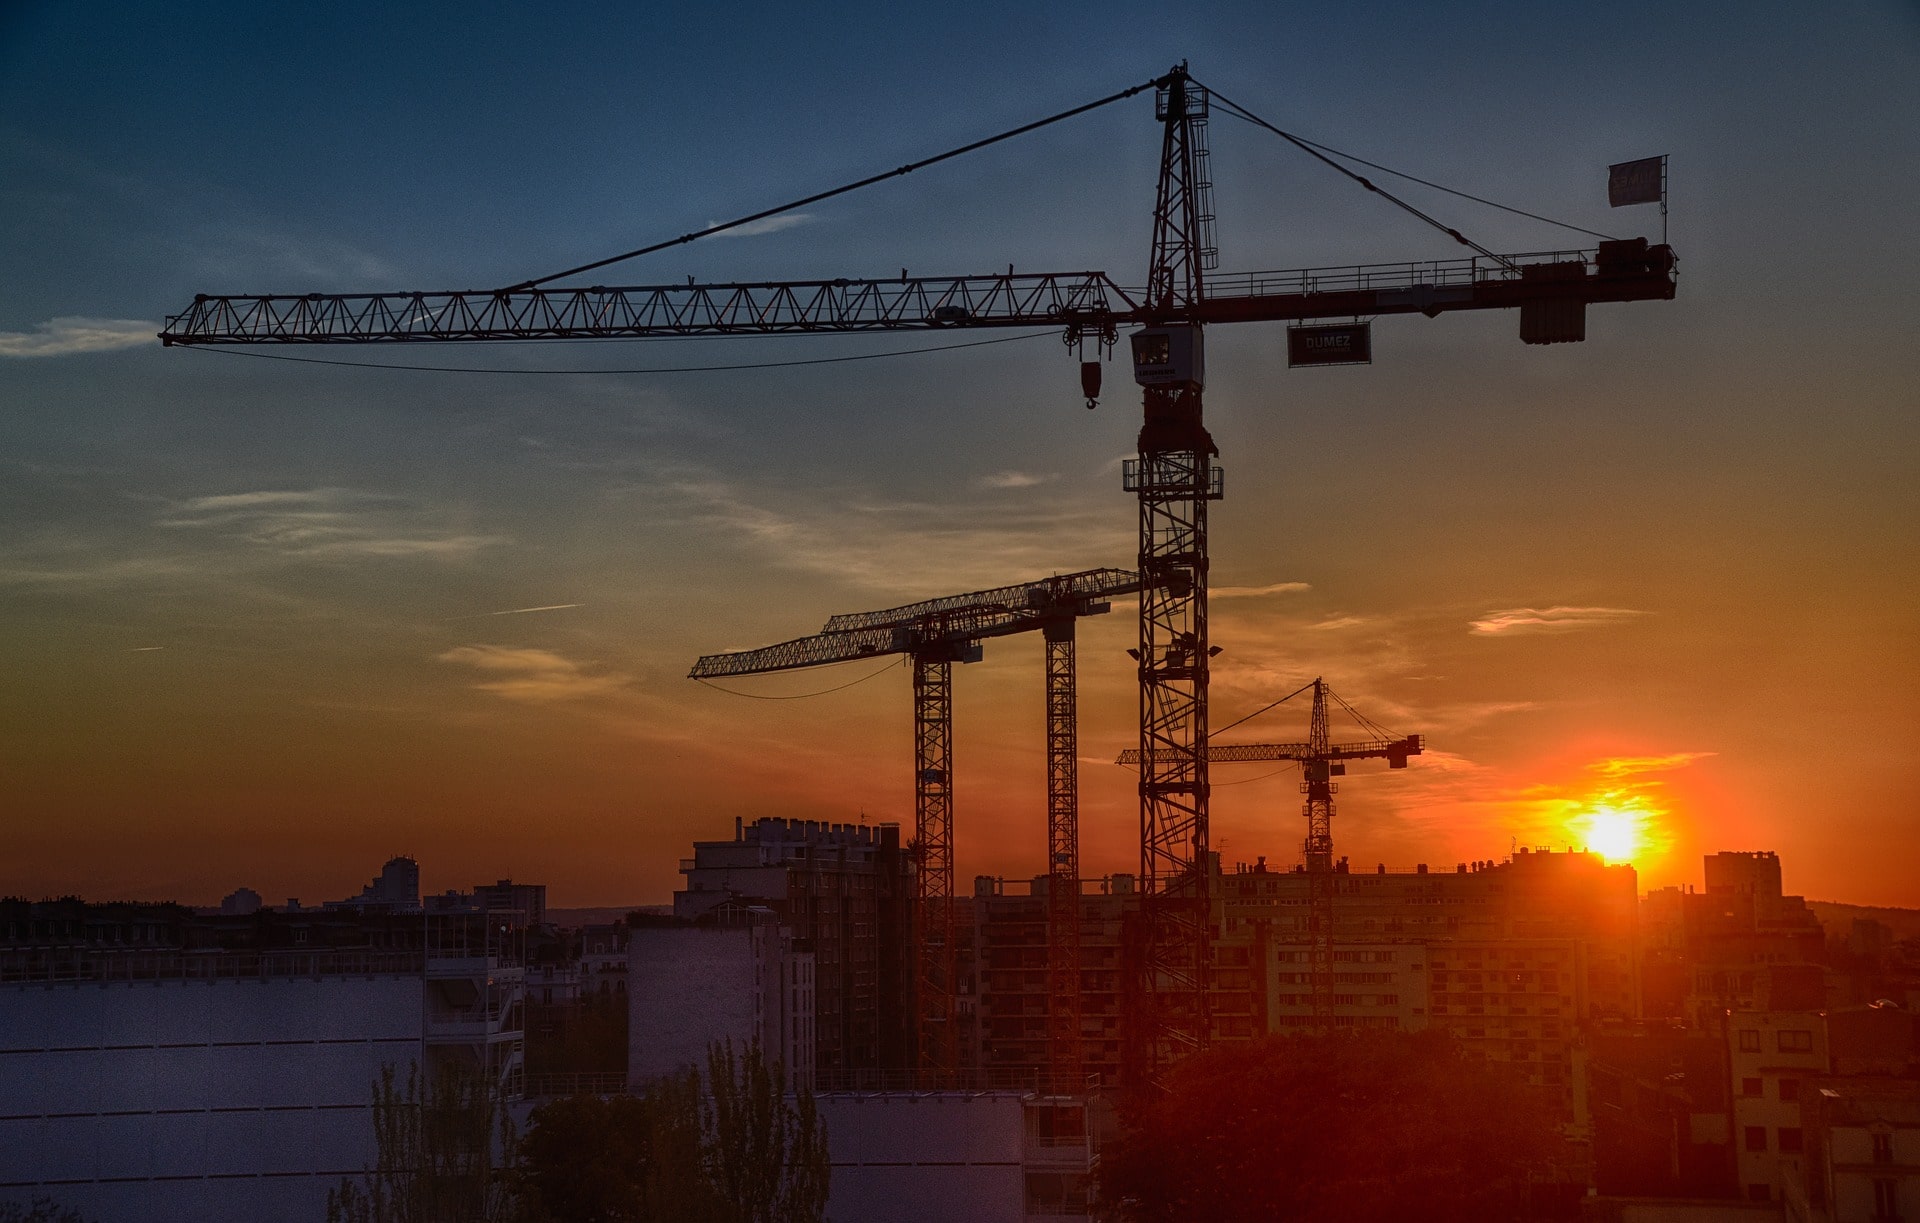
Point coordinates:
[[663, 369], [869, 181]]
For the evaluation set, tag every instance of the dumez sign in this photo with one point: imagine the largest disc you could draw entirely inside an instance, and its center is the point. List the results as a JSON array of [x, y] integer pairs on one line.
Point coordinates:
[[1336, 344]]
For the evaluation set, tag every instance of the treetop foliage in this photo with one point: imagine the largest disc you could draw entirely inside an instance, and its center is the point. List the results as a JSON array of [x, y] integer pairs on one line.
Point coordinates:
[[1355, 1128]]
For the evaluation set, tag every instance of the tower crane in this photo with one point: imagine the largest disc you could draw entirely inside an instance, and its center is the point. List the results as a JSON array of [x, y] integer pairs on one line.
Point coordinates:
[[1321, 760], [935, 634], [1173, 477]]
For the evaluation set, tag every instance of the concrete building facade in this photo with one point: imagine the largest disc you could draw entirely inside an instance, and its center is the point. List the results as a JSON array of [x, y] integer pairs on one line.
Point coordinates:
[[159, 1065], [736, 975], [1864, 1151], [957, 1156], [844, 891], [1774, 1059]]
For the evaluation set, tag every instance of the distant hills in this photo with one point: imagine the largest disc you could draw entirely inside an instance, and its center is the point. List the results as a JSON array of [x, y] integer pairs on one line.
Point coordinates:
[[1839, 918]]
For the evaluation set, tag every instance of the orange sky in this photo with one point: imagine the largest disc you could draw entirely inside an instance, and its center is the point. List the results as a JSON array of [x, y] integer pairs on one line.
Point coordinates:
[[267, 624]]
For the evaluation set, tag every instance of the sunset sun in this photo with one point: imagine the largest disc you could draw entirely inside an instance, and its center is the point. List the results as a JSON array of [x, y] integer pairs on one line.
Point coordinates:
[[1617, 827]]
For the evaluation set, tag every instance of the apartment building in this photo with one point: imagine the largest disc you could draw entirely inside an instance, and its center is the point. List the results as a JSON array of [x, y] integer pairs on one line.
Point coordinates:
[[734, 975], [1773, 1060], [1511, 957], [164, 1065], [845, 892], [1740, 944], [1004, 992]]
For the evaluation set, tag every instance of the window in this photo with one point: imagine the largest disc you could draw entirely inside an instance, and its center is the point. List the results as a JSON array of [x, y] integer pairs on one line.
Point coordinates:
[[1749, 1040], [1789, 1090], [1886, 1200], [1758, 1193], [1796, 1042], [1757, 1138], [1791, 1140], [1750, 1087], [1883, 1148]]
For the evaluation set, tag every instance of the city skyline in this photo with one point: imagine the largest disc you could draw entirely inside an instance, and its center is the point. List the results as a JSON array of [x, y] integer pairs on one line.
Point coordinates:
[[272, 623]]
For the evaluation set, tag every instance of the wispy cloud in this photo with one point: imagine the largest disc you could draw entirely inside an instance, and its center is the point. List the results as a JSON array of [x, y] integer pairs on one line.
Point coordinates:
[[324, 523], [1518, 620], [909, 549], [1016, 479], [252, 250], [71, 334], [1634, 766], [1332, 623], [526, 611], [767, 225], [1256, 592], [533, 676]]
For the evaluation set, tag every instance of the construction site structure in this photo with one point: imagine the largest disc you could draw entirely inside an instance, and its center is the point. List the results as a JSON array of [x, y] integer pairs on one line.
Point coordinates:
[[1174, 476], [1320, 760], [935, 634]]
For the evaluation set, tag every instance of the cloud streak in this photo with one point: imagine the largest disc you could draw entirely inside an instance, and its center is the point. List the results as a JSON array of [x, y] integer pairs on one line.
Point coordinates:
[[533, 676], [909, 549], [766, 225], [1517, 621], [1634, 766], [70, 334], [1016, 479], [323, 523], [1257, 592]]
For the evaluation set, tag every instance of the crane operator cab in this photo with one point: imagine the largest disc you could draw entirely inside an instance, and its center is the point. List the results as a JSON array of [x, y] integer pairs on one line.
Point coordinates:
[[1168, 357]]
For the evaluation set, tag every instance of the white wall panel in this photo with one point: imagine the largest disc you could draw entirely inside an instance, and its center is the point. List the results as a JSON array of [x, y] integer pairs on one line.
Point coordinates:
[[207, 1109]]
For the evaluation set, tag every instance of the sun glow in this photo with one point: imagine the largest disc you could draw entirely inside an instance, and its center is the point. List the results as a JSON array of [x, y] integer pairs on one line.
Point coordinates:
[[1616, 825]]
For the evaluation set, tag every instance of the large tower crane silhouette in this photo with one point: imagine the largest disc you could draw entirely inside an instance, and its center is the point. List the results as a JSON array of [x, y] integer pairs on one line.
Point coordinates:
[[1320, 760], [1173, 475], [935, 634]]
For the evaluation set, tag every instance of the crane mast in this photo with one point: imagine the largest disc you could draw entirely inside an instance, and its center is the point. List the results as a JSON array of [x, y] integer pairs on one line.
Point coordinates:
[[1065, 1055], [1318, 787], [1174, 478]]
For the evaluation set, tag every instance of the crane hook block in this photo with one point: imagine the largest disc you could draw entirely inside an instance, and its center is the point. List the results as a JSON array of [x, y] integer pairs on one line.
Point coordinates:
[[1090, 382]]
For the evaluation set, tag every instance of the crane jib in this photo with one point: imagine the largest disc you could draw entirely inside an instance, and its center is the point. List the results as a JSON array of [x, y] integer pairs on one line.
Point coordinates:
[[1082, 301]]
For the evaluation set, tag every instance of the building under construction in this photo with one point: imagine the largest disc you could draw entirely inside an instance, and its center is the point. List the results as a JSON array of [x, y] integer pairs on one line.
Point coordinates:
[[1511, 958]]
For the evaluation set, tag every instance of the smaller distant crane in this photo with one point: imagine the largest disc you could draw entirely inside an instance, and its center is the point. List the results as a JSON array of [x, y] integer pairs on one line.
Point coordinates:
[[935, 634], [1321, 760]]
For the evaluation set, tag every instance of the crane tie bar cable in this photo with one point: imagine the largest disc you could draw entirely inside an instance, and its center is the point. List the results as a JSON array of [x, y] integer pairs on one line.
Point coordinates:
[[1256, 713], [1241, 112], [1414, 178], [909, 168]]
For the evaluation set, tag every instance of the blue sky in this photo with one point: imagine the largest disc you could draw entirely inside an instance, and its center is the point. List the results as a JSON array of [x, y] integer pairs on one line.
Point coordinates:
[[249, 607]]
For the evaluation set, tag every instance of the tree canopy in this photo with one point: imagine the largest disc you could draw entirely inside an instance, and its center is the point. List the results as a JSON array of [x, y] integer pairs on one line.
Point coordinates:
[[1355, 1128], [732, 1148]]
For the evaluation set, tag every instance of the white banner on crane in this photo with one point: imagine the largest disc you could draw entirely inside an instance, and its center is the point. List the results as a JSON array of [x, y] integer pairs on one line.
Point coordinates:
[[1637, 182]]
